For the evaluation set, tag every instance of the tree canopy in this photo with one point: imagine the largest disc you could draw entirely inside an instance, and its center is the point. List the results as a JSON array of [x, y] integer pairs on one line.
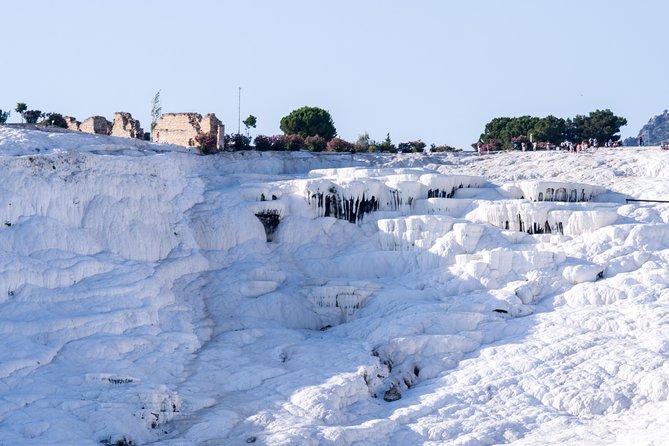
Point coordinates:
[[309, 121], [600, 124], [250, 122]]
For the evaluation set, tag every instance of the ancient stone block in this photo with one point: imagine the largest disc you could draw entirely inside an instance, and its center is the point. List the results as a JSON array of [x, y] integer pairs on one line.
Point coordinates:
[[72, 123], [125, 126], [96, 124], [182, 128]]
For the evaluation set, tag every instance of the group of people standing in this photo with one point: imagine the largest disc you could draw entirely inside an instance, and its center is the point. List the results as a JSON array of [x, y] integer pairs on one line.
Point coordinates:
[[565, 145]]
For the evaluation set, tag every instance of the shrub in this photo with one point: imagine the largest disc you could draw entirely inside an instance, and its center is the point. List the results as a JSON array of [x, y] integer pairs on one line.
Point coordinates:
[[411, 146], [263, 142], [3, 116], [279, 143], [55, 119], [339, 145], [385, 146], [518, 141], [442, 148], [294, 142], [315, 143], [206, 142], [493, 144], [363, 143], [32, 116], [237, 141]]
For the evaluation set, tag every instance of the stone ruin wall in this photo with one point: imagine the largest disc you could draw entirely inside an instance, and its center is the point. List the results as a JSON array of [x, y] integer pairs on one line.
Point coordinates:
[[172, 128], [182, 128], [97, 125], [72, 123], [125, 126]]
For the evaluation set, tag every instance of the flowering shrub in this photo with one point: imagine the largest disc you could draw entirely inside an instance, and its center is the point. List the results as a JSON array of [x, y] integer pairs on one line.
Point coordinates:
[[492, 144], [315, 143], [294, 142], [520, 139], [279, 143], [206, 142], [263, 142], [339, 145]]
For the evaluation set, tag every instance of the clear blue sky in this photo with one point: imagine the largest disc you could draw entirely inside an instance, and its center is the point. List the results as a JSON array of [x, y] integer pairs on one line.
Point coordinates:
[[435, 70]]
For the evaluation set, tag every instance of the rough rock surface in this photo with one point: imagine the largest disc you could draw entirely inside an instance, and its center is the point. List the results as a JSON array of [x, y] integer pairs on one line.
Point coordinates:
[[72, 123], [126, 126], [96, 124], [182, 128], [657, 130]]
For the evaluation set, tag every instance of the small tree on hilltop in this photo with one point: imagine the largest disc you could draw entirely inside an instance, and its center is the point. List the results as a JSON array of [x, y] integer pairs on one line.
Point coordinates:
[[249, 123], [309, 121], [55, 119], [3, 116], [550, 129], [363, 142], [603, 125], [32, 116], [20, 108], [411, 146], [156, 110], [386, 145]]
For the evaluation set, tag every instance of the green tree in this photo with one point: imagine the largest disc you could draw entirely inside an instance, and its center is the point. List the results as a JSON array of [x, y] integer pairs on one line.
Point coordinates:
[[600, 124], [603, 125], [3, 116], [250, 122], [362, 144], [55, 119], [20, 108], [575, 127], [156, 110], [309, 121], [521, 126], [550, 129], [32, 116], [386, 145]]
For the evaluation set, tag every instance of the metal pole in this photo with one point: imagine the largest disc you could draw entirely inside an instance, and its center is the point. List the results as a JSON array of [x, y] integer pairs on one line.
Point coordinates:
[[239, 112]]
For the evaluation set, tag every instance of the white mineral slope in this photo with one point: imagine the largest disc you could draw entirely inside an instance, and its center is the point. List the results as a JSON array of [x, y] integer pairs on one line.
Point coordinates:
[[140, 299]]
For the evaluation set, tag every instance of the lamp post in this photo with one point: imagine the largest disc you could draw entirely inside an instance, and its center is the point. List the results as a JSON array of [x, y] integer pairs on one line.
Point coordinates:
[[239, 112]]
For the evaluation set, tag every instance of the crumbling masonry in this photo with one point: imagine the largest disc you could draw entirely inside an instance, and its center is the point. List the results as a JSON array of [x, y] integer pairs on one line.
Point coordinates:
[[182, 128]]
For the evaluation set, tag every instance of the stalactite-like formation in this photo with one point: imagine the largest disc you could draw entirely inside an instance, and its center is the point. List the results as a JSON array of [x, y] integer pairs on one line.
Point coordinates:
[[349, 209], [270, 219], [561, 194], [537, 228], [438, 193]]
